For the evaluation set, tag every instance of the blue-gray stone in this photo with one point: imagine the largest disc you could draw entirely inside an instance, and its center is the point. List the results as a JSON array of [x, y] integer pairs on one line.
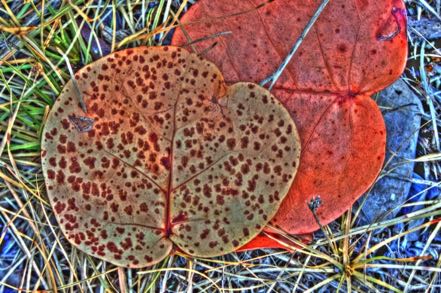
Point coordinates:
[[401, 109], [428, 29]]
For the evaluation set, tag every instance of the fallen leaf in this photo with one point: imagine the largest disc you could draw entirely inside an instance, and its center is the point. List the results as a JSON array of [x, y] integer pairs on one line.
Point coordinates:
[[355, 49], [167, 155]]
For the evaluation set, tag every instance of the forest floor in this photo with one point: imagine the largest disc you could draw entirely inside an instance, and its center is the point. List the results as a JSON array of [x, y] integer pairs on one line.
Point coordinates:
[[42, 42]]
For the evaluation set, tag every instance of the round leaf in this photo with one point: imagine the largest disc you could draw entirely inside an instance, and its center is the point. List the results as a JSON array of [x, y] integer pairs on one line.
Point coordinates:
[[166, 155], [356, 48]]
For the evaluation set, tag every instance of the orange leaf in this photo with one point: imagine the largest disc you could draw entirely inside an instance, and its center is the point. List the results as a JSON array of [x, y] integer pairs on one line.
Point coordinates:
[[356, 48]]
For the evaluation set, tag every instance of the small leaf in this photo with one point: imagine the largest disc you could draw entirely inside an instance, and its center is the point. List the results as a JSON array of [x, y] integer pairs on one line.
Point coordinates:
[[356, 48], [171, 157]]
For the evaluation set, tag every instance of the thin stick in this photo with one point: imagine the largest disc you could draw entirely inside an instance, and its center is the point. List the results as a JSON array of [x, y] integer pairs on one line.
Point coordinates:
[[74, 82], [122, 280], [313, 205], [275, 76]]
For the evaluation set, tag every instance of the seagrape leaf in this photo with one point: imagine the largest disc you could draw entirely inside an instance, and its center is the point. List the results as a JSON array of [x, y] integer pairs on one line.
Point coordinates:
[[356, 48], [166, 156]]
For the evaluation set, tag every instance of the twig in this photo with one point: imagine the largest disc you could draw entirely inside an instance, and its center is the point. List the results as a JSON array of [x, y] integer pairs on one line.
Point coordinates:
[[275, 76], [313, 205], [74, 81]]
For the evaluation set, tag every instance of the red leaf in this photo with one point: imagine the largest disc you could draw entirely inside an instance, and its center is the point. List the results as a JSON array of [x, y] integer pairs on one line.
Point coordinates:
[[356, 48]]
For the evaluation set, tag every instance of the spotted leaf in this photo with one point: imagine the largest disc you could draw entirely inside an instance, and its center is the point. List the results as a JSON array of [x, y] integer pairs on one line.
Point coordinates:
[[166, 156]]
